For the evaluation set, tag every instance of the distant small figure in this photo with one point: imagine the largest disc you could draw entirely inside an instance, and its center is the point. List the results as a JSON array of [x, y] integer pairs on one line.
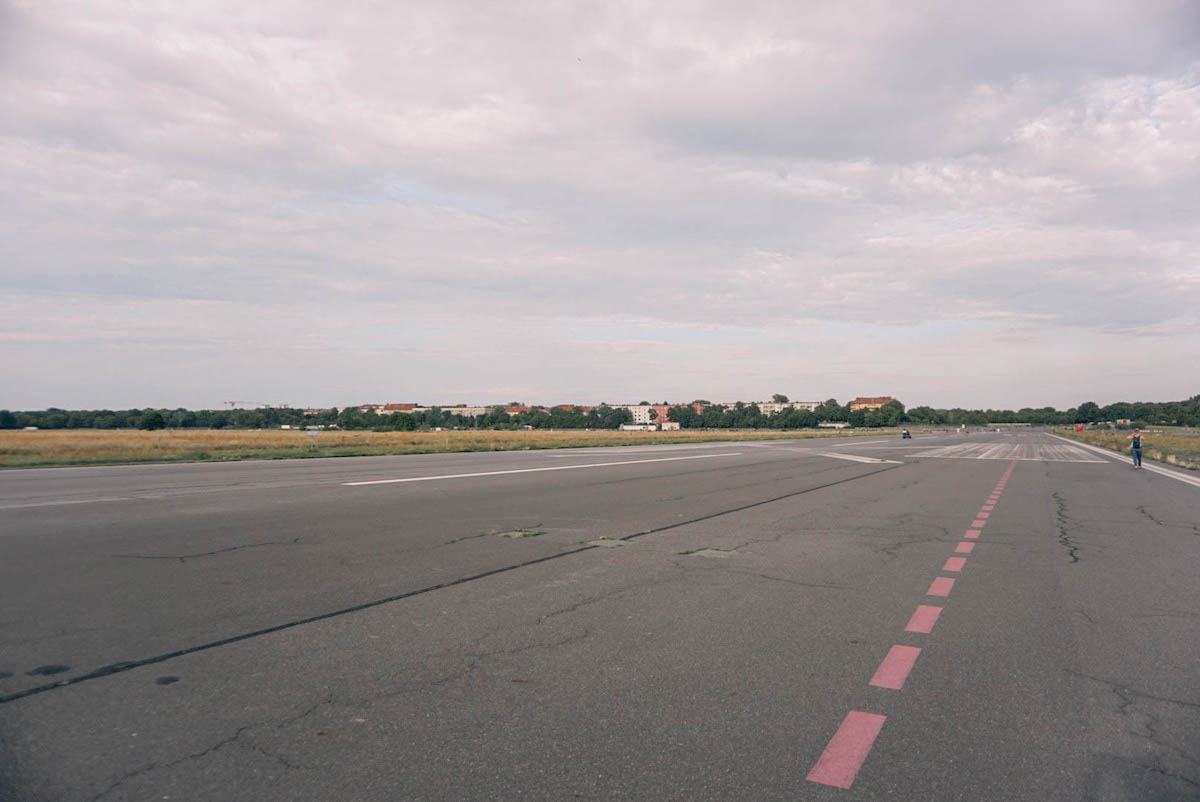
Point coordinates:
[[1136, 450]]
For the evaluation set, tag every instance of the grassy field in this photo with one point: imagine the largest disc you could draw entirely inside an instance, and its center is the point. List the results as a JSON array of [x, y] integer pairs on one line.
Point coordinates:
[[20, 449], [1173, 446]]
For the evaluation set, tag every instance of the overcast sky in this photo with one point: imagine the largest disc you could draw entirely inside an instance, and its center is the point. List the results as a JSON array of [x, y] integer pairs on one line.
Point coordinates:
[[957, 204]]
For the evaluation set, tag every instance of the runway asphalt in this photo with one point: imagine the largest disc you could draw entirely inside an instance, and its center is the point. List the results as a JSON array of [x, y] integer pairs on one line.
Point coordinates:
[[997, 616]]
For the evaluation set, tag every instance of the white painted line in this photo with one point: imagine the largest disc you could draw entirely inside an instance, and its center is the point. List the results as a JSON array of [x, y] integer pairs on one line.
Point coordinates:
[[856, 458], [1117, 457], [536, 470], [569, 453], [857, 442], [62, 502]]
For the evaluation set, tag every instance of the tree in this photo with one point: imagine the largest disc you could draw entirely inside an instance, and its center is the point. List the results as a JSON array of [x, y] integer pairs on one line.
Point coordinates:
[[779, 398], [925, 415], [831, 410], [151, 420], [685, 416], [890, 414], [7, 419], [351, 418], [1088, 412]]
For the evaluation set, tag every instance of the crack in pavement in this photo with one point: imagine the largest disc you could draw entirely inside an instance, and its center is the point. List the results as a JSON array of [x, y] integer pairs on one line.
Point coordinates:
[[1123, 688], [465, 537], [609, 595], [890, 549], [474, 661], [1062, 520], [1156, 768], [186, 557], [1142, 509], [156, 766], [1086, 617], [127, 665], [236, 738], [499, 530], [801, 583], [1128, 707], [758, 503], [117, 668]]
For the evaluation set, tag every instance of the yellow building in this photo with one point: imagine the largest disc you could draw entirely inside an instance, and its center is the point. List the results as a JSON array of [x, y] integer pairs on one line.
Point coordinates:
[[870, 403]]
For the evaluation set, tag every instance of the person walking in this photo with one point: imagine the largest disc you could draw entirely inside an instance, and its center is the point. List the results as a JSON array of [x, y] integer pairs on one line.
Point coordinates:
[[1136, 450]]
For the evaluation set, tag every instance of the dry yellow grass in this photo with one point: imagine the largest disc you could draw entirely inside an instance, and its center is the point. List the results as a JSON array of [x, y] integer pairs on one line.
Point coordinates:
[[99, 446], [1176, 449]]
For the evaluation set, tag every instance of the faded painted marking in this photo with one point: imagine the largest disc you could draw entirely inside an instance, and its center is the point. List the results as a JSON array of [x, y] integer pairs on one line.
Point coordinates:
[[856, 458], [923, 619], [940, 586], [847, 749], [537, 470], [895, 668], [1024, 452]]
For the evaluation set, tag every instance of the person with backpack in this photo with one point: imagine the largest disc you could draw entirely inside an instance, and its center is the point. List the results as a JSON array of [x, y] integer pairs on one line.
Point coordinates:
[[1136, 450]]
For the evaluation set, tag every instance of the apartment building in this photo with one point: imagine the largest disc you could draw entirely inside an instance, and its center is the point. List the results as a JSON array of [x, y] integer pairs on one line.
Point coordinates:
[[769, 408]]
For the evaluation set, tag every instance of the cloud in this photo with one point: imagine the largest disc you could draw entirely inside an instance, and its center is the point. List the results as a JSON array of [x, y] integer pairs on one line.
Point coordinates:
[[584, 202]]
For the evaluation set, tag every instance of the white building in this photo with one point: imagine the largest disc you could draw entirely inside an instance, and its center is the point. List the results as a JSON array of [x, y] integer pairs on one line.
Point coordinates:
[[769, 408], [641, 412], [465, 411]]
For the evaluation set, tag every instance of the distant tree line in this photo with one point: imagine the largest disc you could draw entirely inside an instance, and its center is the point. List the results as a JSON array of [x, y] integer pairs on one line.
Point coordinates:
[[1145, 413], [266, 418], [749, 416], [740, 416], [599, 417]]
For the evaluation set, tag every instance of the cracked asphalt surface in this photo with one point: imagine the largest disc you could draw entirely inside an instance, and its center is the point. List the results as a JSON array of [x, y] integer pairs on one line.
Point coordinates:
[[690, 629]]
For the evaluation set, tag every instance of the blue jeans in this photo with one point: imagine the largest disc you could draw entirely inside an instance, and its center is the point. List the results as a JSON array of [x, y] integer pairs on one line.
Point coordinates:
[[1137, 457]]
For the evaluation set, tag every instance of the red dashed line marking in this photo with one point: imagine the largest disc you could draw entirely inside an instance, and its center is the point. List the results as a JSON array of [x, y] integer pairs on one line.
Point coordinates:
[[954, 564], [848, 748], [923, 619], [940, 586], [850, 745], [895, 667]]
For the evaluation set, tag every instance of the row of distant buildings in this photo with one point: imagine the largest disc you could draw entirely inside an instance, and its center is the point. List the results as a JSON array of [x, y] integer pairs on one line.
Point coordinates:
[[642, 414]]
